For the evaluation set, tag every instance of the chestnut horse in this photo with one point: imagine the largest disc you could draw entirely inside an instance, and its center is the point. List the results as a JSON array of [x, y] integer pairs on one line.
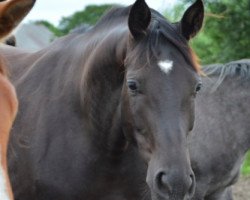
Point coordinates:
[[105, 115], [11, 13]]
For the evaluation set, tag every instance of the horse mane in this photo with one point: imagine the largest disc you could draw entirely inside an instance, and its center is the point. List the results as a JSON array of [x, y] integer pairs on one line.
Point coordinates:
[[114, 14], [159, 26], [81, 29], [238, 69], [111, 15]]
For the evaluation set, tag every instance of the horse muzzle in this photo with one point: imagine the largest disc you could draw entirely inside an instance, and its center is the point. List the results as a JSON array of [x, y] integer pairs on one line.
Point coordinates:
[[171, 184]]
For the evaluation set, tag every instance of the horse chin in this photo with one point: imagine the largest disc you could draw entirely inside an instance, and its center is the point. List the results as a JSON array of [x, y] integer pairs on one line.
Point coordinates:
[[172, 197], [155, 196]]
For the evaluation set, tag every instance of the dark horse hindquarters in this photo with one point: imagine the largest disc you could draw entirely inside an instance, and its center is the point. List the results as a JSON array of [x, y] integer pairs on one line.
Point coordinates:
[[221, 137], [105, 114]]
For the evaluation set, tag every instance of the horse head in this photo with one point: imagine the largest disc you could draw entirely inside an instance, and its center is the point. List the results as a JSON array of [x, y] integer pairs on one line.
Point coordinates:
[[159, 89]]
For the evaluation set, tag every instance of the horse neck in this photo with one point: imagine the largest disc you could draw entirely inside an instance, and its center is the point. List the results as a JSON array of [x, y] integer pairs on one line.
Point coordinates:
[[101, 84], [230, 101], [235, 91], [2, 68]]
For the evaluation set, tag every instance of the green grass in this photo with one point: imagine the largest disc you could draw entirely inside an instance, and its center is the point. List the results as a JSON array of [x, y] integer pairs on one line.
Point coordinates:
[[246, 166]]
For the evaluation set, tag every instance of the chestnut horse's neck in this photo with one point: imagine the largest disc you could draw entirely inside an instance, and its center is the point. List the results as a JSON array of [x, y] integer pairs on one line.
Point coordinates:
[[2, 68], [11, 13], [8, 109]]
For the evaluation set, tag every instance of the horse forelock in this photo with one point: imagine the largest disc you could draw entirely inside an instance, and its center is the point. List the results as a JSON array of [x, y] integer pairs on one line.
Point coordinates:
[[169, 31], [159, 26]]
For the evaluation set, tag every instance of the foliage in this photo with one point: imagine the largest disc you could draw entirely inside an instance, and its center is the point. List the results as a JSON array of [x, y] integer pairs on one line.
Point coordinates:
[[50, 26], [90, 15], [175, 14], [246, 166], [225, 36]]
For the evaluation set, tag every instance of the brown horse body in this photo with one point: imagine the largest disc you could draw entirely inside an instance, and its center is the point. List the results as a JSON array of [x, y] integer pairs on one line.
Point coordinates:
[[8, 109], [11, 13]]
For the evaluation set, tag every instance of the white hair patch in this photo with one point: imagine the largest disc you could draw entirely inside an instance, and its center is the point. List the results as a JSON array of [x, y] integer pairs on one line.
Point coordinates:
[[166, 66], [3, 190]]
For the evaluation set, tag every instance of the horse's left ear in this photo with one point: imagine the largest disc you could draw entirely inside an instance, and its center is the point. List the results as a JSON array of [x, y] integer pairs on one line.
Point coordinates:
[[12, 13], [192, 20], [139, 19]]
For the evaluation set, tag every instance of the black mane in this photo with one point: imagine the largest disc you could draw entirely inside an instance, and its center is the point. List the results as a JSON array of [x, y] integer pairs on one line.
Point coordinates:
[[159, 26]]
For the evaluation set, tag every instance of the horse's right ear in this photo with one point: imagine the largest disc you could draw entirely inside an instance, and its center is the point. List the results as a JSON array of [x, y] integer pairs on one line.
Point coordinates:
[[12, 13], [192, 20], [139, 19]]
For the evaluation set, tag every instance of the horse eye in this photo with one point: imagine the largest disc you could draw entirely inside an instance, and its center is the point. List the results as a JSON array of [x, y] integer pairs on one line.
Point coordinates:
[[132, 85], [198, 87]]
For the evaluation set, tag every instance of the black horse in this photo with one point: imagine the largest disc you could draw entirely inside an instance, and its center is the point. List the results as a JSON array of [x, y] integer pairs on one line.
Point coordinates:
[[105, 115], [221, 136]]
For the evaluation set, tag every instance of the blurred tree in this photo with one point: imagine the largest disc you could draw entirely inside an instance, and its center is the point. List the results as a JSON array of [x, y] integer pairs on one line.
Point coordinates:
[[225, 36], [90, 15], [174, 14], [50, 26], [246, 166]]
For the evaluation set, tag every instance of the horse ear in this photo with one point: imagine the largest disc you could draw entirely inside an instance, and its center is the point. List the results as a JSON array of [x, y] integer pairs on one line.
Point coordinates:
[[12, 13], [192, 20], [139, 19]]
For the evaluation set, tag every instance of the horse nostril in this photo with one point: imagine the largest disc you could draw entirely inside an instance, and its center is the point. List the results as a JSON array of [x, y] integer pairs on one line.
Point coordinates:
[[172, 184], [162, 182]]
